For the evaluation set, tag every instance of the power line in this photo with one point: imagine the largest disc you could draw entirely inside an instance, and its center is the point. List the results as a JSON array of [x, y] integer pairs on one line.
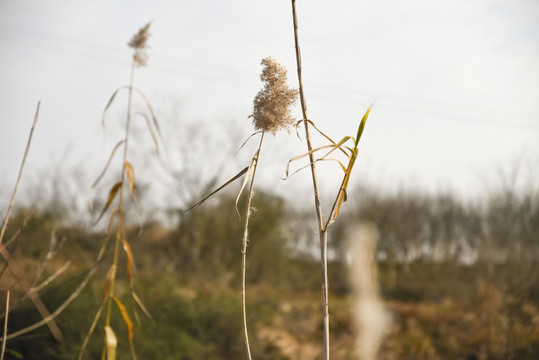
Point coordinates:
[[339, 94]]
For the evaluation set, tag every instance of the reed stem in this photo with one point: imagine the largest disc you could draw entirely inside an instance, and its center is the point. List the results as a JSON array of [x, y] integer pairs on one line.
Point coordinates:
[[119, 224], [244, 250], [322, 229], [6, 221]]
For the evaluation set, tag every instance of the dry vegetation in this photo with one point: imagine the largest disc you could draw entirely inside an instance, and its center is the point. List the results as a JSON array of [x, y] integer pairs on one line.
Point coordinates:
[[189, 278], [458, 279]]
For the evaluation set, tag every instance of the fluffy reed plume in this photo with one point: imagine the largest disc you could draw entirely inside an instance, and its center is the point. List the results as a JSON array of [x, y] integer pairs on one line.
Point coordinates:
[[272, 103], [139, 43], [371, 317]]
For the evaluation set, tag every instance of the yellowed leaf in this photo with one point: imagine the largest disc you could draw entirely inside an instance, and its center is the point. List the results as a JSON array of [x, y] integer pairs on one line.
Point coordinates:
[[112, 194], [108, 281], [129, 256], [128, 324], [112, 343], [130, 178]]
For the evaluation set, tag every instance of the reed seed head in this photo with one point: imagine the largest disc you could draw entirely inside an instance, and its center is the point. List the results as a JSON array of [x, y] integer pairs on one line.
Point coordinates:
[[139, 43], [271, 104]]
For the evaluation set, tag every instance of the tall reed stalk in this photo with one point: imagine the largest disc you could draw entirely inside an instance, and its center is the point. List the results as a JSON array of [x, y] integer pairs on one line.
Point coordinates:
[[127, 180], [351, 154], [270, 114], [320, 217], [244, 250]]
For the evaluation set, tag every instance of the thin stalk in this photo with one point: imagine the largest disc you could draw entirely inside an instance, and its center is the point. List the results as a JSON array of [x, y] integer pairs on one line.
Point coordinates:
[[322, 229], [34, 297], [119, 224], [244, 250], [5, 253], [57, 312], [20, 174], [5, 327]]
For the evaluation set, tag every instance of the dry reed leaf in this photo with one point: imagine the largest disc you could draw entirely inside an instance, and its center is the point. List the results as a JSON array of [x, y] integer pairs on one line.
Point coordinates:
[[129, 262], [112, 343], [346, 150], [51, 278], [250, 168], [150, 109], [112, 194], [333, 147], [103, 173], [314, 126], [128, 324], [108, 163], [219, 189], [150, 130], [108, 281], [245, 142], [141, 305], [110, 103], [131, 183], [130, 179], [144, 98]]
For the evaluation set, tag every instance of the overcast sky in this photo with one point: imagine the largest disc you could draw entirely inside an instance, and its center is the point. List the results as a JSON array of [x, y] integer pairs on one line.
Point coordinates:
[[456, 82]]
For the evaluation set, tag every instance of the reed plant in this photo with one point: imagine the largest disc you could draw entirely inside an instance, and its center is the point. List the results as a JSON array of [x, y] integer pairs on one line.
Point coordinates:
[[271, 113], [350, 152], [117, 221]]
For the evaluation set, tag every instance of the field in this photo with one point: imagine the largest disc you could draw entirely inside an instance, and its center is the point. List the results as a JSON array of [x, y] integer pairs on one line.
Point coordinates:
[[189, 279], [223, 274]]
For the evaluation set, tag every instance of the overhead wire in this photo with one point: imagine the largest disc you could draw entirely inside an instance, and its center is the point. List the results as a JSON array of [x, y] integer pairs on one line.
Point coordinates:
[[228, 74]]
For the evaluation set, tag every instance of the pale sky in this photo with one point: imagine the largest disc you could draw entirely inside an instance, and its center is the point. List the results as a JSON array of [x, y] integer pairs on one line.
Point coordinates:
[[456, 82]]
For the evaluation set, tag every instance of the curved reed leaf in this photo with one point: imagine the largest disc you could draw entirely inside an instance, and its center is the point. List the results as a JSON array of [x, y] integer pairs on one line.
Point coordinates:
[[317, 129], [250, 168], [112, 194], [108, 281], [141, 305], [129, 262], [333, 147], [219, 189], [108, 163], [149, 125], [128, 324], [130, 179], [111, 100], [150, 109], [245, 142]]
